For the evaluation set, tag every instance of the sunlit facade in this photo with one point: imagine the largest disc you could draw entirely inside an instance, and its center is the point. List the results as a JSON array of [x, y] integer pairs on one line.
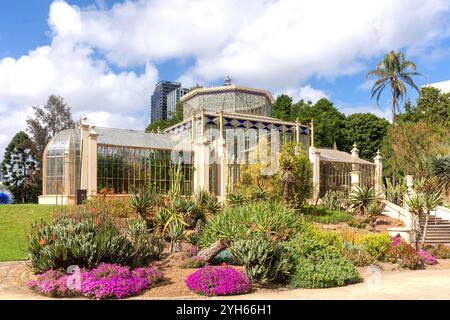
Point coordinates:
[[224, 129]]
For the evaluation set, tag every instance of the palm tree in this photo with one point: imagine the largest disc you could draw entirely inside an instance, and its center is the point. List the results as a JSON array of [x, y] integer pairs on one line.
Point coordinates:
[[287, 175], [393, 71]]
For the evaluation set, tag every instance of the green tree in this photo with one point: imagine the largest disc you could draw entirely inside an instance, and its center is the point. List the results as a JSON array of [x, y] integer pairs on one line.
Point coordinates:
[[47, 121], [174, 118], [367, 130], [394, 72], [328, 122], [19, 169], [433, 106], [408, 147], [281, 109]]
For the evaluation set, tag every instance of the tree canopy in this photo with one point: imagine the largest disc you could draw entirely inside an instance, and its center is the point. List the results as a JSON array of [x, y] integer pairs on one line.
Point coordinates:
[[164, 124], [394, 72], [367, 131], [47, 121], [19, 168]]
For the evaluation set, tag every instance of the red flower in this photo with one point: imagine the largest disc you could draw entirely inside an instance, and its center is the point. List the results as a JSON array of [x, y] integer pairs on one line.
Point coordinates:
[[43, 242]]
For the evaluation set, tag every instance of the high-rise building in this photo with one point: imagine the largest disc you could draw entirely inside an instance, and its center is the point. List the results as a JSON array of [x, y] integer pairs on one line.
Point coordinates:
[[159, 99], [173, 98]]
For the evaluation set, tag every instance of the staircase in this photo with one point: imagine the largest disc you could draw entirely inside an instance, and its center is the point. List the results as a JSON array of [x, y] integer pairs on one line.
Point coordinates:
[[438, 230]]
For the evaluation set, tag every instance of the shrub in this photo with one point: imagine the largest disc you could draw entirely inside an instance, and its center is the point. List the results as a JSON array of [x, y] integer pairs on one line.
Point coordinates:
[[318, 265], [377, 245], [107, 281], [147, 247], [441, 251], [405, 256], [359, 222], [259, 217], [103, 205], [325, 216], [218, 281], [86, 242], [334, 200], [193, 263], [358, 256], [264, 259], [5, 197], [427, 258]]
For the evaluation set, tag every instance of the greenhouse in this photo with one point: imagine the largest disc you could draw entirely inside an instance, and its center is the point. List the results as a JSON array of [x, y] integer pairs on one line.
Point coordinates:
[[224, 128]]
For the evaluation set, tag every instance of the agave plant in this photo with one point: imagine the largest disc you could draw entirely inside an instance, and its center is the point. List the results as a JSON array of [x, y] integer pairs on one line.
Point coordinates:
[[334, 200], [236, 199], [360, 198], [259, 194], [141, 200]]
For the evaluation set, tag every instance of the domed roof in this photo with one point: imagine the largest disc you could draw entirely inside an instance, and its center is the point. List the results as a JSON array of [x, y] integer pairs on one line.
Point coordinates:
[[63, 141]]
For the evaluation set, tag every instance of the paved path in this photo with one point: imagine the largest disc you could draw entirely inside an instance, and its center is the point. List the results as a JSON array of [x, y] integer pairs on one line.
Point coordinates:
[[423, 284], [408, 285]]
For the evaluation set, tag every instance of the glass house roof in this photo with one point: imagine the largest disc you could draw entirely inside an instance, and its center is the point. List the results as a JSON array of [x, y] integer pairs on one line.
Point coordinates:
[[133, 138], [62, 142]]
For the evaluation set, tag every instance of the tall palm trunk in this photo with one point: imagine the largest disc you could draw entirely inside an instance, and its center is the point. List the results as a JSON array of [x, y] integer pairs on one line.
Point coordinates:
[[286, 194], [425, 227]]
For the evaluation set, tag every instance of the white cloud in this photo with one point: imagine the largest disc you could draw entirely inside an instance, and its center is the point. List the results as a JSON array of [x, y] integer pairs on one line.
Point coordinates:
[[382, 113], [270, 44], [306, 93]]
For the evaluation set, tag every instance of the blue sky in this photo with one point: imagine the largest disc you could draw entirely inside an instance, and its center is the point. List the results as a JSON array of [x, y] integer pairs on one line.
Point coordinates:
[[104, 57]]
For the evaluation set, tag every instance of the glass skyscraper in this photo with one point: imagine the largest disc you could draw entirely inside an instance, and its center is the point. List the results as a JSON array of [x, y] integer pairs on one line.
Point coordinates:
[[159, 99]]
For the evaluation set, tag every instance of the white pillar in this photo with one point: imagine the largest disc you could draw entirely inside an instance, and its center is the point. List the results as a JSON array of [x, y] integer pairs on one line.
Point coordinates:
[[84, 129], [201, 160], [222, 161], [355, 178], [314, 158], [378, 182], [92, 180]]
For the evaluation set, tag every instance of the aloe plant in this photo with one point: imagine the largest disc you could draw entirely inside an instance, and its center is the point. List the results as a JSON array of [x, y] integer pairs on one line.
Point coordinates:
[[360, 198]]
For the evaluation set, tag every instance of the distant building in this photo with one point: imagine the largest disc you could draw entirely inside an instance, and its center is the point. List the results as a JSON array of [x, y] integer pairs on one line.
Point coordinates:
[[159, 99], [173, 98], [444, 86]]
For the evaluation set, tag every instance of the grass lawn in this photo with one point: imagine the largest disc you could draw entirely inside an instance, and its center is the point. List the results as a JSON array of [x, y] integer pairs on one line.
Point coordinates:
[[325, 216], [15, 222]]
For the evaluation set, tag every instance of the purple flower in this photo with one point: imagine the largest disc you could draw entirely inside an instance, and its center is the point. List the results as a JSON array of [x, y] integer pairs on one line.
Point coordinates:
[[427, 257], [218, 281], [395, 241], [106, 281]]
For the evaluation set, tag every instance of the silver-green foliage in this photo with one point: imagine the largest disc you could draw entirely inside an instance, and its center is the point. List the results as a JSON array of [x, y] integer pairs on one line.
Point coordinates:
[[87, 241], [259, 217], [264, 259], [334, 200]]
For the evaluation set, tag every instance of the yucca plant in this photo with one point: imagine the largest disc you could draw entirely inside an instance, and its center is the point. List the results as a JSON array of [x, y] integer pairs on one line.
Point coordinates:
[[360, 198], [176, 233], [287, 175], [430, 201], [440, 168], [395, 193]]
